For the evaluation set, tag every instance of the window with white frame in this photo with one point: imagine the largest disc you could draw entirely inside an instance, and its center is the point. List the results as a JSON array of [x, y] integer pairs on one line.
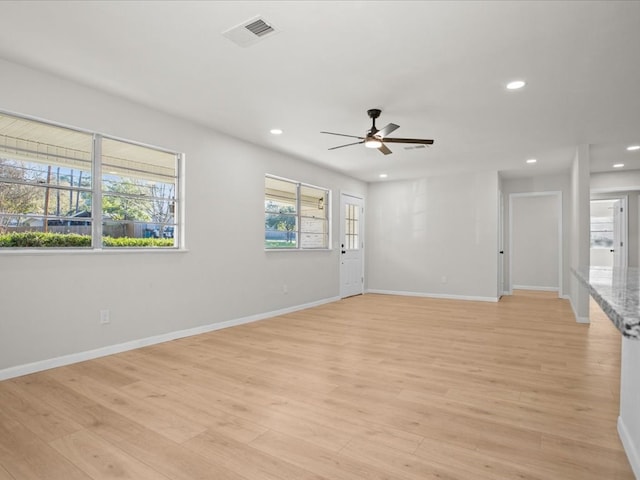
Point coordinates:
[[65, 188], [296, 215]]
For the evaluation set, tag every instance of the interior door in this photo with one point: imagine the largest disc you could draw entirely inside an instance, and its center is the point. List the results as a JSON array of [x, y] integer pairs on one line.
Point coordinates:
[[351, 245], [500, 246], [608, 233], [617, 247]]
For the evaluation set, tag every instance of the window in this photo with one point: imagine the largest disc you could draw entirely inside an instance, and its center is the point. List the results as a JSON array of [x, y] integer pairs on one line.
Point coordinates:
[[352, 226], [296, 215], [62, 188], [138, 192]]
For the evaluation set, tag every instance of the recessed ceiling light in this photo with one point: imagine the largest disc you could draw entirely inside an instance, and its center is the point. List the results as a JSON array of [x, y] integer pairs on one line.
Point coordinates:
[[516, 84], [618, 165], [633, 148], [383, 175], [532, 160], [276, 131]]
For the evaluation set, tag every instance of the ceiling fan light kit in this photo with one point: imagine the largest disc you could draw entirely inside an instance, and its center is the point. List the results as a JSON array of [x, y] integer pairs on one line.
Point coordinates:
[[375, 138], [372, 142]]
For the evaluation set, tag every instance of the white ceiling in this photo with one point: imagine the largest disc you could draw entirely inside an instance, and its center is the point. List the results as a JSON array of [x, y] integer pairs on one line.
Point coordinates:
[[437, 69]]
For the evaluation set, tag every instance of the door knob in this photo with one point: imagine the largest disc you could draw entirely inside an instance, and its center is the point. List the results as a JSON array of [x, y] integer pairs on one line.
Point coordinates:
[[344, 251]]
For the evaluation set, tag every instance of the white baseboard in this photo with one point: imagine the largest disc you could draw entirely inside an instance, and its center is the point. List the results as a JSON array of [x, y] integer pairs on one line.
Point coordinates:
[[532, 287], [434, 295], [630, 448], [41, 365]]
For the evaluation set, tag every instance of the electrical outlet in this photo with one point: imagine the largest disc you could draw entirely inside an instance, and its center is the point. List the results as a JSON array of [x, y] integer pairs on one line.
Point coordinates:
[[105, 317], [285, 289], [443, 279]]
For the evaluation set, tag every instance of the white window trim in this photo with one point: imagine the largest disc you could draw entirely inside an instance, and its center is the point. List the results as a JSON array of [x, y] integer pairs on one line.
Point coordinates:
[[96, 191], [328, 210]]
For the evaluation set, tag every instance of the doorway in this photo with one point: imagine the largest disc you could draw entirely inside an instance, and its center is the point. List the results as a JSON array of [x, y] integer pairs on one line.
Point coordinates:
[[608, 233], [501, 289], [351, 245], [535, 241]]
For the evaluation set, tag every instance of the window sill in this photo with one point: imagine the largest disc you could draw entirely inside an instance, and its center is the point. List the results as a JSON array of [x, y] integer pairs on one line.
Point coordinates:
[[298, 249], [89, 251]]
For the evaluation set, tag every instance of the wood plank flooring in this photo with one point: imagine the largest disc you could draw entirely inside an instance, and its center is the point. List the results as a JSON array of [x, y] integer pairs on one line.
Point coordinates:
[[372, 387]]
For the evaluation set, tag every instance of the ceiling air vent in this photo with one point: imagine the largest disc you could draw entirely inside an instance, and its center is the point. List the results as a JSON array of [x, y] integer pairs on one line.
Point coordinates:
[[250, 32], [259, 28]]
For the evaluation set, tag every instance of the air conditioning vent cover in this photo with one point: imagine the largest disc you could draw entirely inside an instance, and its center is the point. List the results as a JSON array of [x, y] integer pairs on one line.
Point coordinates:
[[259, 28], [251, 31]]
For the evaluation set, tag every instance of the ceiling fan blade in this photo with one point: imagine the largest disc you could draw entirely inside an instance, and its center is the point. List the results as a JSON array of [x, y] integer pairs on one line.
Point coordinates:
[[347, 145], [384, 131], [409, 140], [343, 135], [383, 148]]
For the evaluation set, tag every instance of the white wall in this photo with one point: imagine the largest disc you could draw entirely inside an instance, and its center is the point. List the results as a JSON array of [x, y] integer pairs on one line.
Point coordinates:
[[49, 303], [580, 230], [535, 241], [622, 180], [540, 184], [629, 420], [434, 236]]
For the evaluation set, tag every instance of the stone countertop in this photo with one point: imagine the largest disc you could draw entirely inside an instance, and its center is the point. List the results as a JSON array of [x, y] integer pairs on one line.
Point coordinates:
[[617, 291]]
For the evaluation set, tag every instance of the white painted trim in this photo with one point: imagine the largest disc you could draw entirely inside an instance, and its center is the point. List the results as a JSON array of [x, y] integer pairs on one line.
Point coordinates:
[[435, 295], [532, 287], [558, 195], [91, 251], [41, 365], [615, 189], [630, 448]]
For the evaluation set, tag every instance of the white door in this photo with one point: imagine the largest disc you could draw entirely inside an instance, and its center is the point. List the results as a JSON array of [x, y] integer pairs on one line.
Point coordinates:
[[351, 245], [500, 245], [608, 233], [618, 246], [619, 233]]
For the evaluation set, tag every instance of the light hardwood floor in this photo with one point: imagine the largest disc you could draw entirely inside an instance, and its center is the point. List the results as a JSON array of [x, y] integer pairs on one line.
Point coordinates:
[[372, 387]]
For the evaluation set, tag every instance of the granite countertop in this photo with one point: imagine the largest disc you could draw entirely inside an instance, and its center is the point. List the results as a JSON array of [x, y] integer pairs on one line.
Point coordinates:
[[617, 291]]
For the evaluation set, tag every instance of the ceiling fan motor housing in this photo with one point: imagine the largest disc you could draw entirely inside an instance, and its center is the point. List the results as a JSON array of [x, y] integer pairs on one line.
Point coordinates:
[[374, 113]]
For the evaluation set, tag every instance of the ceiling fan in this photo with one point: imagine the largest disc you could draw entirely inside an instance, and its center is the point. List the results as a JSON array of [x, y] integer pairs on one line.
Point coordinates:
[[375, 138]]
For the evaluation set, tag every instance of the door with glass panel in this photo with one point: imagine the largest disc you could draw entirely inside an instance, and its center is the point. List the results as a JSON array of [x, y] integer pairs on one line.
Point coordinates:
[[351, 245]]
